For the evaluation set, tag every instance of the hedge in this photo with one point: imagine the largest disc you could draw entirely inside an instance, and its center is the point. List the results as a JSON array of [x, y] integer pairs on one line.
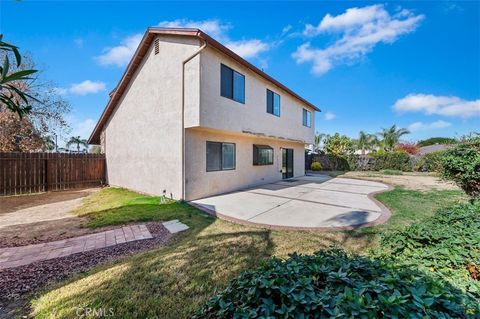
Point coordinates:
[[462, 165], [373, 162], [431, 162]]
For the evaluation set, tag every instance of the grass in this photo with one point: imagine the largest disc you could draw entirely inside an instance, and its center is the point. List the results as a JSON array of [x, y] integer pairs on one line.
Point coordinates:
[[391, 172], [173, 281], [410, 206], [116, 206]]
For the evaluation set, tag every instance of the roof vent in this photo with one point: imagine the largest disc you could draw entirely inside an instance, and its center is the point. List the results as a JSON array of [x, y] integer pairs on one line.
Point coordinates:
[[157, 46]]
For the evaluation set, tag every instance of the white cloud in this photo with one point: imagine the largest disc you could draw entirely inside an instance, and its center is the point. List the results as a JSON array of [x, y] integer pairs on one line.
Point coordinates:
[[330, 116], [438, 105], [83, 128], [360, 30], [246, 48], [87, 87], [420, 126], [212, 27], [287, 28], [121, 54]]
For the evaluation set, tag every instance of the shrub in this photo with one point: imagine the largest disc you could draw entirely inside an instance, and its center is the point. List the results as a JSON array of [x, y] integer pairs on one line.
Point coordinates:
[[316, 166], [432, 162], [338, 144], [462, 165], [447, 243], [391, 160], [408, 148], [436, 140], [331, 284], [332, 162]]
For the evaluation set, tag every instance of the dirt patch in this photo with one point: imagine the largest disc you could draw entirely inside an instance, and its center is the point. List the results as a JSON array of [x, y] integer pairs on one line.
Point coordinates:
[[10, 204], [33, 219], [414, 181], [16, 284]]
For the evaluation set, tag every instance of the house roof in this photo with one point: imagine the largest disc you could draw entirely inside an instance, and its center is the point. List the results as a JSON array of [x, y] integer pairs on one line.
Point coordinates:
[[142, 49], [433, 148]]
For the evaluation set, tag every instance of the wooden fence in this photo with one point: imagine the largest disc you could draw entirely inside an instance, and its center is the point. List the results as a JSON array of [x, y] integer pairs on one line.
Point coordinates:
[[23, 173]]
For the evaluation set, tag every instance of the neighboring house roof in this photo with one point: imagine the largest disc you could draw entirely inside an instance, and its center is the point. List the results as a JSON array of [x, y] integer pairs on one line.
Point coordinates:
[[142, 49], [433, 148]]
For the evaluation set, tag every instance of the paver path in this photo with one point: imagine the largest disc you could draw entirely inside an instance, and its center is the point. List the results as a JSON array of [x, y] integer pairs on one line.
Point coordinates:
[[24, 255]]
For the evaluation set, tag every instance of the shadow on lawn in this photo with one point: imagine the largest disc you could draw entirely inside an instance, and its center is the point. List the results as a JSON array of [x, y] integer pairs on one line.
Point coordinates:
[[171, 282]]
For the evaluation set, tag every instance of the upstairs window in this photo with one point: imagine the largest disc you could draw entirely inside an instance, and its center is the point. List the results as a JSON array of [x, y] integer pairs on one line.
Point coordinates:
[[262, 155], [232, 84], [273, 103], [220, 156], [307, 118]]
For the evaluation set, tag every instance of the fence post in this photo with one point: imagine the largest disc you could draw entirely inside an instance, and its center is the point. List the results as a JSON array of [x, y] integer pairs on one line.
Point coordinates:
[[46, 174]]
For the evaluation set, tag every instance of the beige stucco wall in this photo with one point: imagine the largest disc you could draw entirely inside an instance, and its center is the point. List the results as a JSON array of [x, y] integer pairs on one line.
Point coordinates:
[[143, 137], [200, 183], [225, 114]]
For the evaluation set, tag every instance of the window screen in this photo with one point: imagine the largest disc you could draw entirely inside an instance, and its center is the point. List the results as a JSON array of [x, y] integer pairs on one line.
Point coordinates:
[[232, 84], [307, 118], [273, 103], [228, 156], [214, 153], [262, 155], [220, 156]]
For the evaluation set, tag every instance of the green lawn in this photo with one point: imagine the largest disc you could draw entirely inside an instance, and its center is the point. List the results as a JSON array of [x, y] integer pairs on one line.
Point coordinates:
[[172, 282], [116, 206]]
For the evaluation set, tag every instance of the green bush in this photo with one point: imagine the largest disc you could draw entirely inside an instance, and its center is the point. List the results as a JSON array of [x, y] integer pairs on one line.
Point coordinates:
[[333, 162], [316, 166], [447, 242], [436, 140], [391, 160], [432, 162], [462, 165], [331, 284]]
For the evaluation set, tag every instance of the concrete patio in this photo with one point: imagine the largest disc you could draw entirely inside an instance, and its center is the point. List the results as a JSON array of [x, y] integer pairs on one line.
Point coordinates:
[[316, 202]]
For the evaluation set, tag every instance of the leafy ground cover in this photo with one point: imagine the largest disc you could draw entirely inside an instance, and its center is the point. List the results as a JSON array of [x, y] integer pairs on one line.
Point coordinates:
[[332, 284], [447, 243], [175, 281]]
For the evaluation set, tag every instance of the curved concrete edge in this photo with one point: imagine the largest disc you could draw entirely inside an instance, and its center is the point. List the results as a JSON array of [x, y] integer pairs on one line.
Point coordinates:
[[385, 215]]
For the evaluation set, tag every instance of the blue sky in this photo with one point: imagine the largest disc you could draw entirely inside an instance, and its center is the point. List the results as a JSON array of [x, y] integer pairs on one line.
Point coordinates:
[[367, 65]]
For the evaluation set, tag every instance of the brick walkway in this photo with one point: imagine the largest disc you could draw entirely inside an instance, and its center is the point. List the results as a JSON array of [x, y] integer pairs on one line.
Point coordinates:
[[24, 255]]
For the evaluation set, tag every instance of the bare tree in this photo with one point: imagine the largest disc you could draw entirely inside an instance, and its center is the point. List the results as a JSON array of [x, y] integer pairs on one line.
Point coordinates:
[[45, 117]]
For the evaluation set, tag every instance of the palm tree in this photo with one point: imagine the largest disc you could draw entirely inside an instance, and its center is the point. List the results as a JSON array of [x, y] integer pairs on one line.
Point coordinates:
[[49, 143], [391, 136], [318, 140], [77, 140], [366, 141]]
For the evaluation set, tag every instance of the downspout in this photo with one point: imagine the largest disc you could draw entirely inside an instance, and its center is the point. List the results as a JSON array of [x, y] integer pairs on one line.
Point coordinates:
[[183, 112]]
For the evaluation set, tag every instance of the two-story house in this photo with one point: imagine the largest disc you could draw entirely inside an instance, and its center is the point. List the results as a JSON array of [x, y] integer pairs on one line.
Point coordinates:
[[192, 118]]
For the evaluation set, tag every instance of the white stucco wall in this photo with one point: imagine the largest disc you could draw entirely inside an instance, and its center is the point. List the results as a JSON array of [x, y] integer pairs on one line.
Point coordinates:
[[200, 183], [143, 136], [225, 114]]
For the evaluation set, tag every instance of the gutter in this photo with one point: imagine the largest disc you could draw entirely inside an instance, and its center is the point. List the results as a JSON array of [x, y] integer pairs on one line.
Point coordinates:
[[183, 110]]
